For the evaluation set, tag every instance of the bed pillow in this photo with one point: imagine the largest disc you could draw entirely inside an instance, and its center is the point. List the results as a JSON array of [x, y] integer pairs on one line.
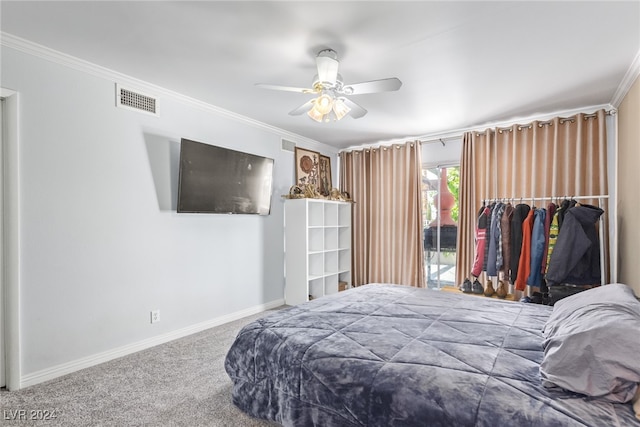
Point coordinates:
[[591, 344], [565, 308]]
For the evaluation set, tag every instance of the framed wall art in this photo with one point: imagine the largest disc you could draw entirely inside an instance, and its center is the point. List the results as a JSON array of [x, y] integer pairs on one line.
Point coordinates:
[[307, 166], [324, 176]]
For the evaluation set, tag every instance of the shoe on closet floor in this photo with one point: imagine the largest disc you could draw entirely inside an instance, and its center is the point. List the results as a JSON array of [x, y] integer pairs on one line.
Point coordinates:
[[501, 292], [466, 286], [488, 290], [477, 288], [536, 298]]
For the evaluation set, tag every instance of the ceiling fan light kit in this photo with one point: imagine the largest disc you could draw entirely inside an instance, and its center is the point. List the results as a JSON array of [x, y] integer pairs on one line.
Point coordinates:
[[330, 104], [340, 108], [327, 107], [323, 103]]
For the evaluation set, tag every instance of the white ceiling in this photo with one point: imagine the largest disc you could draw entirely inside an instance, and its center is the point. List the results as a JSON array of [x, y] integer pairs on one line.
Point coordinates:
[[462, 64]]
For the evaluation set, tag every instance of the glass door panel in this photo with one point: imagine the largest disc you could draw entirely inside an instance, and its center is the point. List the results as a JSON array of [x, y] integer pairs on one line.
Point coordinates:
[[440, 224]]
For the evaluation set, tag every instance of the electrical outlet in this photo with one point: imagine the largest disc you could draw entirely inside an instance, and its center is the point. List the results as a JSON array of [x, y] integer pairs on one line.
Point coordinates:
[[155, 316]]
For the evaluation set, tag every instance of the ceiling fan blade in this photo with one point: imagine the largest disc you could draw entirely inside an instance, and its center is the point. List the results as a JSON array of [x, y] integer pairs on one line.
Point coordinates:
[[327, 63], [302, 109], [356, 110], [384, 85], [286, 88]]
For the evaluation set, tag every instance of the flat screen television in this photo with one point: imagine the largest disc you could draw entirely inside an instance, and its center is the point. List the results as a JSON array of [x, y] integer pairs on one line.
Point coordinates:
[[222, 181]]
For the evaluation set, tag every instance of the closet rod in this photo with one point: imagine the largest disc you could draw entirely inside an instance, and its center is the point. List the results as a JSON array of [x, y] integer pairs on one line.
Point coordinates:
[[600, 196]]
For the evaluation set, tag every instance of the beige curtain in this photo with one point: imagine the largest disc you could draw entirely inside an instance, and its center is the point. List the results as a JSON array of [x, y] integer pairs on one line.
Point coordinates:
[[385, 184], [560, 157]]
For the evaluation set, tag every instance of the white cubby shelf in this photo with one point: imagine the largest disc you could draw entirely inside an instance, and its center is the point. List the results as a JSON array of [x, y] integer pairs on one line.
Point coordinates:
[[317, 248]]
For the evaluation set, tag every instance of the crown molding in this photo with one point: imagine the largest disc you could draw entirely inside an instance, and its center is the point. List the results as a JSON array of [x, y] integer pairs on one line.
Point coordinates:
[[34, 49], [629, 78]]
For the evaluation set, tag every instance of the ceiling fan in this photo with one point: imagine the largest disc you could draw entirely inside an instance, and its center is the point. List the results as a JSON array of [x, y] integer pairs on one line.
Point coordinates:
[[331, 102]]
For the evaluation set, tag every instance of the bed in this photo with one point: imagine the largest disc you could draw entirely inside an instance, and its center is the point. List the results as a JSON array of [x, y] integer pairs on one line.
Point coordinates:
[[392, 355]]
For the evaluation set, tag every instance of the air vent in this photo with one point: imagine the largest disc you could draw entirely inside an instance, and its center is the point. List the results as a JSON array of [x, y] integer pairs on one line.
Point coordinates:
[[288, 145], [134, 100]]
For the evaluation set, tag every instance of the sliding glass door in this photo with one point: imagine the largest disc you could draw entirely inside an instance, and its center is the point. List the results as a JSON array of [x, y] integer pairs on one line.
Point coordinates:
[[440, 223]]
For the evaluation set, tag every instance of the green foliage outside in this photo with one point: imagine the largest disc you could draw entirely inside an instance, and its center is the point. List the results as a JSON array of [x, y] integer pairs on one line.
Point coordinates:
[[453, 182]]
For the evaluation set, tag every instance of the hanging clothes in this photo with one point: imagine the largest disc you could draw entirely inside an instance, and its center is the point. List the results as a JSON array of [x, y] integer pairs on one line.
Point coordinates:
[[495, 246], [576, 256], [564, 207], [505, 229], [524, 263], [554, 229], [551, 210], [480, 240], [519, 214], [537, 248], [488, 238]]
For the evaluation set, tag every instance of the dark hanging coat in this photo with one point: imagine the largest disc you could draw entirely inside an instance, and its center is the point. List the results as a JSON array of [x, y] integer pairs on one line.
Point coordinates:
[[576, 256], [505, 227], [519, 214]]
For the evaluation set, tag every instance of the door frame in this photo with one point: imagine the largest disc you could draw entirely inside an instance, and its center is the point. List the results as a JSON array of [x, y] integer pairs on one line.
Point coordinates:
[[10, 259]]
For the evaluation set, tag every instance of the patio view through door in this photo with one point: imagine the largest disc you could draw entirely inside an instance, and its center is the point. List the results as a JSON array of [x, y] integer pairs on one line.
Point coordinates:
[[440, 224]]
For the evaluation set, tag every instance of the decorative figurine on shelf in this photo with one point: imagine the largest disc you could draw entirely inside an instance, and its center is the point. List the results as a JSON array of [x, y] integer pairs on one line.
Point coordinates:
[[337, 195], [295, 192], [308, 191], [311, 192]]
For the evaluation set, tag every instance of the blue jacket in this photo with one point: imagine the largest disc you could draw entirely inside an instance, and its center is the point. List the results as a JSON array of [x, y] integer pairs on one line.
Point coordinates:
[[495, 242], [538, 240]]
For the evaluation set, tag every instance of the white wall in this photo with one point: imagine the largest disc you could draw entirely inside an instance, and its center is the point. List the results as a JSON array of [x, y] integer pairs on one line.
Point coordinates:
[[436, 153], [101, 243]]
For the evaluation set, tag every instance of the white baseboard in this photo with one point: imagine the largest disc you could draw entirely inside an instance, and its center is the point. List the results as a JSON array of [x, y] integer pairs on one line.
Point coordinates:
[[96, 359]]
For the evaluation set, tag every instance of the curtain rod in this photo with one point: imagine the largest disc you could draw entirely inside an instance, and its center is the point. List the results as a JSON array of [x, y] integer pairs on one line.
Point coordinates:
[[442, 137], [549, 122], [378, 146], [504, 125]]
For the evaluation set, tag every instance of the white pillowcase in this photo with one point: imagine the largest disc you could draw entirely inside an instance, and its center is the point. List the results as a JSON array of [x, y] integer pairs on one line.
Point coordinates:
[[592, 343]]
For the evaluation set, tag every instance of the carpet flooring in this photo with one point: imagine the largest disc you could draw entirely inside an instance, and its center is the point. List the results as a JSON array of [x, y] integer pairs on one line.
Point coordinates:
[[180, 383]]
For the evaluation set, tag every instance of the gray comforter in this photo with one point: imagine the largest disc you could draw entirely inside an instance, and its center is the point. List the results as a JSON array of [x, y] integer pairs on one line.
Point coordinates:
[[390, 355]]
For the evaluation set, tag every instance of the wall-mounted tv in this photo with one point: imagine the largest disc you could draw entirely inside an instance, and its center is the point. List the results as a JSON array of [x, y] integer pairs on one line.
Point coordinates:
[[219, 180]]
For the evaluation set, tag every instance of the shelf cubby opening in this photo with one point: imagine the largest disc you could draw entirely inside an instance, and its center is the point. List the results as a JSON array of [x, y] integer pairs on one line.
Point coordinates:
[[316, 288], [344, 214], [330, 214], [330, 262], [316, 214], [331, 284], [344, 237], [316, 239], [316, 265], [344, 260], [330, 238]]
